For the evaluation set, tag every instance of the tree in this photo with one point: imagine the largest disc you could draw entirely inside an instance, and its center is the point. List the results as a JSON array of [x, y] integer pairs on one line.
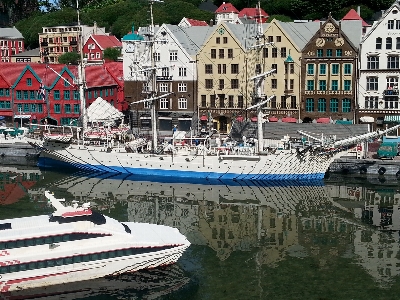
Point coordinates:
[[69, 58], [112, 54]]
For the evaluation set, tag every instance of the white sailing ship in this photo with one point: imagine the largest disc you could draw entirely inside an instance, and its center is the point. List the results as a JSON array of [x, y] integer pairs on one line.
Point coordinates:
[[290, 159], [75, 244]]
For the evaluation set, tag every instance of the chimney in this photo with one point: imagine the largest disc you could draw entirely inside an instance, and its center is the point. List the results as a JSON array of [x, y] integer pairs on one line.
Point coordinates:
[[211, 22], [94, 27], [382, 11], [358, 10]]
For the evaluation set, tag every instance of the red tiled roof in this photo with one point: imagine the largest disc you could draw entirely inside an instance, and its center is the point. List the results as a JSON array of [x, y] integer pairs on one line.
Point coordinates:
[[252, 13], [115, 69], [226, 8], [97, 76], [196, 22], [106, 41], [353, 15]]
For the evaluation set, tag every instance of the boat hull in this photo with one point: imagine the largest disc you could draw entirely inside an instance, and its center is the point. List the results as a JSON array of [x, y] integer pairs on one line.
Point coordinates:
[[280, 165], [87, 271]]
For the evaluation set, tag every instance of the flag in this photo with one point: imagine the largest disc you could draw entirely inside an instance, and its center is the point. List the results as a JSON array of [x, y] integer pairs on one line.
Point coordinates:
[[42, 92]]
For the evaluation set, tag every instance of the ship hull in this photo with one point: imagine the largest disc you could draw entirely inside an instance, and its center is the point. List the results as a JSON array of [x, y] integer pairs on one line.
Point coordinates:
[[280, 165]]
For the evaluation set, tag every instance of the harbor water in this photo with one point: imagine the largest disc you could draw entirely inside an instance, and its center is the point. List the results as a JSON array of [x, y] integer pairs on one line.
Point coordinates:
[[331, 239]]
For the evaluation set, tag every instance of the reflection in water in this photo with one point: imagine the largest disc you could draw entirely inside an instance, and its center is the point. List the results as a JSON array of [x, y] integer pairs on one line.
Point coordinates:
[[344, 218], [145, 284]]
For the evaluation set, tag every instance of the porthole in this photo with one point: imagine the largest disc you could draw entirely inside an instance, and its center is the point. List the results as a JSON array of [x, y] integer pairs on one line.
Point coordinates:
[[394, 11]]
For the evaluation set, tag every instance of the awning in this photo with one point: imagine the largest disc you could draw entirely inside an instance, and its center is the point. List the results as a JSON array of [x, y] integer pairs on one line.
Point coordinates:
[[7, 113], [185, 119], [392, 119], [164, 118], [254, 119], [323, 120], [367, 119], [145, 118], [289, 120], [239, 118], [273, 119], [203, 118], [22, 116], [344, 122]]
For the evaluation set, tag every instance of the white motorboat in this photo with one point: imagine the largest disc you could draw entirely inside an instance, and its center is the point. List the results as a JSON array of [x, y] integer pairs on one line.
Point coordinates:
[[75, 243]]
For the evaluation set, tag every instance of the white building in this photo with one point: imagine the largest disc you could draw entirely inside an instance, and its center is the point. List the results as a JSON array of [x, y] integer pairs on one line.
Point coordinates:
[[378, 96]]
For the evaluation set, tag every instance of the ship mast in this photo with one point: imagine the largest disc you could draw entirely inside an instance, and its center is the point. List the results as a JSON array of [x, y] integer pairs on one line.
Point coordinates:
[[153, 80], [81, 73]]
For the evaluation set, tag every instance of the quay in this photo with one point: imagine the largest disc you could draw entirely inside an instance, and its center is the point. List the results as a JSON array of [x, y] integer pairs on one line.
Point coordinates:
[[369, 165]]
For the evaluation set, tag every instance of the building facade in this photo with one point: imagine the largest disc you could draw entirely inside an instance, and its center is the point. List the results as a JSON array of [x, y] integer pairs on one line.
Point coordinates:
[[11, 43]]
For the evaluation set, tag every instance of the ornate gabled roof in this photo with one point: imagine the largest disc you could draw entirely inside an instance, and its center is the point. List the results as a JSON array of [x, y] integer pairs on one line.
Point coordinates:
[[353, 15], [226, 8]]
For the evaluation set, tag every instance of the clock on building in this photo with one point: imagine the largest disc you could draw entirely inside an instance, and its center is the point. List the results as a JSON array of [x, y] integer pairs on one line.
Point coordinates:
[[130, 48]]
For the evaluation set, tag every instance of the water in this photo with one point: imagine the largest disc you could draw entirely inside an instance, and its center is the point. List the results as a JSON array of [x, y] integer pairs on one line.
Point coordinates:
[[337, 239]]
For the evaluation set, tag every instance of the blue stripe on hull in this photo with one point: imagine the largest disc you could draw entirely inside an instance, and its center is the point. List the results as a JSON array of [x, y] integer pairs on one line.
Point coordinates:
[[174, 176]]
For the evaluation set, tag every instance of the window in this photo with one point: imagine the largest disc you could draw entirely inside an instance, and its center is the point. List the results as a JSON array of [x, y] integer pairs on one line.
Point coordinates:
[[225, 40], [173, 55], [182, 103], [393, 62], [164, 103], [291, 84], [208, 69], [278, 38], [391, 102], [258, 68], [346, 105], [76, 109], [56, 95], [265, 52], [222, 101], [388, 43], [321, 105], [310, 85], [392, 82], [309, 104], [40, 107], [390, 24], [221, 53], [293, 102], [182, 87], [234, 69], [1, 92], [334, 105], [273, 102], [371, 102], [29, 81], [347, 85], [270, 39], [378, 43], [335, 69], [76, 95], [164, 87], [338, 52], [334, 85], [57, 108], [274, 83], [26, 107], [322, 85], [218, 40], [283, 52], [234, 83], [221, 68], [221, 84], [230, 101], [203, 100], [322, 69], [67, 108], [373, 62], [67, 95], [89, 94], [209, 83], [347, 69], [66, 83], [372, 83], [146, 87], [19, 107], [274, 52], [212, 100], [310, 69], [275, 67], [157, 56], [320, 52], [182, 72], [397, 24], [32, 95], [165, 72], [329, 52], [213, 53], [230, 53], [26, 96], [7, 92], [291, 66], [240, 101]]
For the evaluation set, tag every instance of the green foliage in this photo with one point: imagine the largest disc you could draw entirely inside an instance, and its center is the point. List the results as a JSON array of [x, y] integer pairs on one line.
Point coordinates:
[[69, 58], [280, 18], [111, 54]]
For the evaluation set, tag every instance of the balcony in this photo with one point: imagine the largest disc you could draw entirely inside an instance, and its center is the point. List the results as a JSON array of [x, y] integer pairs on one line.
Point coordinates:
[[73, 43], [44, 44], [164, 78], [391, 92]]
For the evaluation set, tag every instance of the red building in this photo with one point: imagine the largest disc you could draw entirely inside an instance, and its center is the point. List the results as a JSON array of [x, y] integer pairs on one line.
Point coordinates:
[[11, 43], [96, 44], [20, 100]]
